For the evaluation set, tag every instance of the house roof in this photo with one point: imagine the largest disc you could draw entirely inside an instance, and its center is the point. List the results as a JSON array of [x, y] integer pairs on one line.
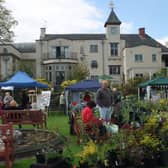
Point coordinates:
[[25, 47], [132, 40], [156, 81], [75, 36], [112, 19]]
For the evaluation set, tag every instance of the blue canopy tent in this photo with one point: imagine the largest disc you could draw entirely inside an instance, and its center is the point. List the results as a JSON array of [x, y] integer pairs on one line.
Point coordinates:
[[82, 86], [22, 80]]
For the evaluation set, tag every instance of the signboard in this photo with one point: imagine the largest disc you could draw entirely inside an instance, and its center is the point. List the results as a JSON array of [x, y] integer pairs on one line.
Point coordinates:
[[43, 100]]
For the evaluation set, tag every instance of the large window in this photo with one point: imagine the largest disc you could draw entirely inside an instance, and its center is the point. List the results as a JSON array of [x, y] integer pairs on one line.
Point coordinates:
[[93, 48], [114, 49], [49, 73], [60, 77], [138, 58], [59, 52], [114, 69]]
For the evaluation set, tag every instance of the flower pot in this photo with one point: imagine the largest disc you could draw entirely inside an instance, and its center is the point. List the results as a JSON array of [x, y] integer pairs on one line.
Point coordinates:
[[40, 158], [150, 162], [163, 160], [84, 165]]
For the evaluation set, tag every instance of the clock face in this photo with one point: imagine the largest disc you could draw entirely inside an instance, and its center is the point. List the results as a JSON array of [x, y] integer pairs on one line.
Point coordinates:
[[114, 30]]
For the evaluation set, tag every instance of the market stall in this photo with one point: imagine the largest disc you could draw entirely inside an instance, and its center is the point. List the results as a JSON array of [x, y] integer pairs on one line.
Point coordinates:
[[154, 89], [73, 93]]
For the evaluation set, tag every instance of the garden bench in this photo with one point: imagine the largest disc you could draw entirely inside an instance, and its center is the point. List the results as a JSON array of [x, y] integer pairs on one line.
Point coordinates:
[[7, 147], [26, 116]]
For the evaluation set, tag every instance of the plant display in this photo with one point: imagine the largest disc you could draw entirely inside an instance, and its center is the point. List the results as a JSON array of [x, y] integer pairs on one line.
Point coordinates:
[[89, 154]]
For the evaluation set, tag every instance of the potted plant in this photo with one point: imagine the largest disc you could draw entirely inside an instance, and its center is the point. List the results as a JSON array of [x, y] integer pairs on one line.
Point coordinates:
[[150, 145], [88, 157], [163, 134]]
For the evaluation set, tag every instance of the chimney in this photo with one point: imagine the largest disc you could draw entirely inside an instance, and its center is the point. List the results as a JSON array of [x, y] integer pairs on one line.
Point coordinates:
[[142, 32], [166, 44], [42, 32]]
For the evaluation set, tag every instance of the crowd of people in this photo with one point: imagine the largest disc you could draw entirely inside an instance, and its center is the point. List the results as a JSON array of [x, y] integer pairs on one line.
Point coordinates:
[[108, 101]]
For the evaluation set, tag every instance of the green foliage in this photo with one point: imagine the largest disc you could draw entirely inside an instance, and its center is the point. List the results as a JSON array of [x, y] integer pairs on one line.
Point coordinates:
[[161, 73], [80, 72], [42, 80], [6, 23], [131, 87], [27, 67], [67, 83]]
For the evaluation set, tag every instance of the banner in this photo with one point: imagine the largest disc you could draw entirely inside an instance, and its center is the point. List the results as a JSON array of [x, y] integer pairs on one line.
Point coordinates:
[[43, 100]]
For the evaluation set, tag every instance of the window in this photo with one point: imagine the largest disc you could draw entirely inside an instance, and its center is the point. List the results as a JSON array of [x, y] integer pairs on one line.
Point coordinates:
[[139, 75], [60, 77], [114, 69], [138, 58], [59, 52], [94, 64], [114, 49], [49, 73], [82, 50], [5, 50], [93, 48], [154, 58], [57, 67], [94, 77]]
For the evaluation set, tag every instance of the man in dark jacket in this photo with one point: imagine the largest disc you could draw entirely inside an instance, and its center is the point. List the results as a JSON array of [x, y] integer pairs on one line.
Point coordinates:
[[104, 101]]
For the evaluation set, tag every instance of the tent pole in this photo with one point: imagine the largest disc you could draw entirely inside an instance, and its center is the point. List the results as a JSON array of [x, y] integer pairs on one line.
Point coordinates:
[[138, 93], [36, 94]]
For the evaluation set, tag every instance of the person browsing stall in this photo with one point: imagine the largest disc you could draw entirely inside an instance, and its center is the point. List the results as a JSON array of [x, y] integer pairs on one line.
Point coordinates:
[[104, 101]]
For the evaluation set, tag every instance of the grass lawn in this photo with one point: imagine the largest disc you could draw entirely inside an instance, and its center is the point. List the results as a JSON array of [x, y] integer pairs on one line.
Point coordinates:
[[59, 122]]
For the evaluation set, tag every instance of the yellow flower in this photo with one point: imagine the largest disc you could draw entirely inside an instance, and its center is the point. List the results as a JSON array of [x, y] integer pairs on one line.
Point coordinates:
[[89, 152]]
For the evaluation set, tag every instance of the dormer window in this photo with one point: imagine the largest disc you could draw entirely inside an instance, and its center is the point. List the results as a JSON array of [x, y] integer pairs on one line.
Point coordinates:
[[94, 64]]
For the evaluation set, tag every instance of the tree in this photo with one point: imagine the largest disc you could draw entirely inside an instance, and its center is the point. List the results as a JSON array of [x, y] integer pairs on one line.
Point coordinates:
[[6, 23], [161, 73], [27, 67], [80, 72]]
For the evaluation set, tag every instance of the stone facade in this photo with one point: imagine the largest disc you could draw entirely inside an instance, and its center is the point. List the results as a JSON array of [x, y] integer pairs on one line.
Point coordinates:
[[120, 56]]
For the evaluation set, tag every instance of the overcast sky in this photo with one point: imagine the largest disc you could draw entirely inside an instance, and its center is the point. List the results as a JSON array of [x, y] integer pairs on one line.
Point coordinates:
[[87, 16]]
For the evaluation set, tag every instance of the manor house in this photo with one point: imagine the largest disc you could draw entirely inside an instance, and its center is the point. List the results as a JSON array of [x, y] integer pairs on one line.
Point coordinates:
[[120, 56]]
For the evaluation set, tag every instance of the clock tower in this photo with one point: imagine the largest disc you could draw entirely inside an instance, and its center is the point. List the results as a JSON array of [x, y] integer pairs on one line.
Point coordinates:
[[112, 26]]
